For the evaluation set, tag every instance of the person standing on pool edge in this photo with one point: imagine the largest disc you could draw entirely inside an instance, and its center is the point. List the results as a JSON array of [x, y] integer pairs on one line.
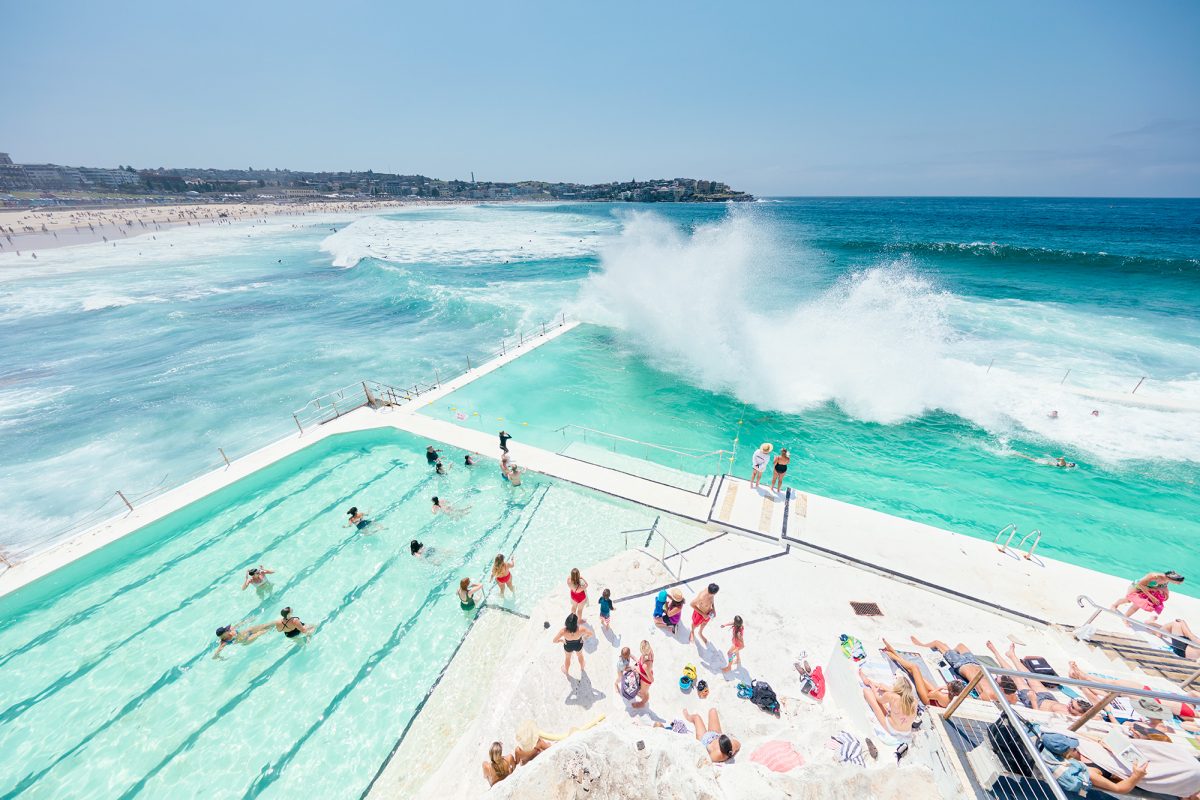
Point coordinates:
[[504, 437], [704, 608], [781, 465]]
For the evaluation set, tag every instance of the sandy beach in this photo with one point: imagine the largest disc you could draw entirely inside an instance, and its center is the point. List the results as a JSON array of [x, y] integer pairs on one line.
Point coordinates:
[[26, 231]]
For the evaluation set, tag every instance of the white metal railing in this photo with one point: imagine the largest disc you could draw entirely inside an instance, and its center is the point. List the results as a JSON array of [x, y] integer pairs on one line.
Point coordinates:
[[653, 530], [319, 410], [686, 459], [1084, 601], [1012, 531]]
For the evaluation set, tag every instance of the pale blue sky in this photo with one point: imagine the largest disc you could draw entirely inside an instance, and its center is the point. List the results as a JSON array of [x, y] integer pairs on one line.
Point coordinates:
[[1073, 97]]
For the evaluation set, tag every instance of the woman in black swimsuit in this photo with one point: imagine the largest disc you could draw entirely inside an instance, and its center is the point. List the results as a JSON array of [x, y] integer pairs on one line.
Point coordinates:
[[781, 465], [572, 637], [291, 626]]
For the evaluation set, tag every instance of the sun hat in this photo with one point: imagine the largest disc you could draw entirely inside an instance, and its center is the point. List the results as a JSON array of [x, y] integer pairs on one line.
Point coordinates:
[[1152, 709], [677, 594]]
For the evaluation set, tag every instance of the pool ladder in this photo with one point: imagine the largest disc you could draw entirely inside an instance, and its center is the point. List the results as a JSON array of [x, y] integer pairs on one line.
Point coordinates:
[[1011, 530]]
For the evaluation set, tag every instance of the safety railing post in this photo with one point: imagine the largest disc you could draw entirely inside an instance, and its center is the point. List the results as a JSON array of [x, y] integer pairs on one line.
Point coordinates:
[[1064, 378], [468, 363], [367, 392], [520, 339], [298, 425], [125, 500], [222, 452], [1139, 385], [437, 378], [543, 329]]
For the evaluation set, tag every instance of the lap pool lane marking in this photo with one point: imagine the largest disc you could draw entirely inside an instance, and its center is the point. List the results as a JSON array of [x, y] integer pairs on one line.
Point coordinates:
[[178, 671], [86, 613], [16, 709], [439, 591]]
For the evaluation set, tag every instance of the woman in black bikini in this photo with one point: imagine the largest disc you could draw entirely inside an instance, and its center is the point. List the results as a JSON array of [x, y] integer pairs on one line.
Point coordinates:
[[291, 626], [572, 637], [781, 465]]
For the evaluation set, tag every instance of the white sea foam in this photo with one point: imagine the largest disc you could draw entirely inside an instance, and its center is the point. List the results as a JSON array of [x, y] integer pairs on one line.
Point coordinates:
[[727, 308], [467, 236]]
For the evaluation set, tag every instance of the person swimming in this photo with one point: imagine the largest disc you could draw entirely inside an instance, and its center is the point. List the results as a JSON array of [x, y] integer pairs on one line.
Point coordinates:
[[439, 467], [431, 455], [257, 576], [467, 460], [445, 508], [229, 634], [466, 594], [358, 519], [291, 626]]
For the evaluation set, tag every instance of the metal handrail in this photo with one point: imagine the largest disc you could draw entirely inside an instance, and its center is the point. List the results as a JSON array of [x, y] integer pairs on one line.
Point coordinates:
[[1036, 533], [1083, 599], [1011, 530], [653, 529], [688, 452]]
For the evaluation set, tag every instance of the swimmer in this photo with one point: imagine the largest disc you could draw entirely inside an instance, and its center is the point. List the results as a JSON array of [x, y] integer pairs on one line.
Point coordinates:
[[439, 467], [466, 594], [1059, 462], [431, 455], [467, 460], [358, 519], [1062, 463], [1053, 414], [502, 574], [1095, 412], [258, 577], [291, 626], [445, 508], [416, 548], [514, 475], [229, 634]]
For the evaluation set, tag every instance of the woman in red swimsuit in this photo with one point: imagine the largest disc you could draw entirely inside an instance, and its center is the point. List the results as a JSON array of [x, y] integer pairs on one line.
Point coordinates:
[[502, 574], [577, 586], [645, 668]]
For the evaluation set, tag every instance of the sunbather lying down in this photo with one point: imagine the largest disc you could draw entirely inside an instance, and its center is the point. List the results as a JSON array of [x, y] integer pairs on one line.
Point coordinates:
[[1031, 692], [962, 662], [1169, 768], [1186, 712], [930, 695]]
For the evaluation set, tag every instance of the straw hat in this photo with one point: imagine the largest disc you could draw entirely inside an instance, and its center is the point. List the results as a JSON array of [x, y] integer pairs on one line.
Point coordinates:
[[527, 735], [677, 594]]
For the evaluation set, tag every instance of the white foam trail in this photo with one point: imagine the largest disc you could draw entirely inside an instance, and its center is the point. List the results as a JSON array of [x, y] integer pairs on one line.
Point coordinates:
[[728, 309], [466, 236]]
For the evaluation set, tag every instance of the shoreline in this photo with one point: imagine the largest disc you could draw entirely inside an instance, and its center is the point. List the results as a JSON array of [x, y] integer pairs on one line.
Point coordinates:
[[24, 232]]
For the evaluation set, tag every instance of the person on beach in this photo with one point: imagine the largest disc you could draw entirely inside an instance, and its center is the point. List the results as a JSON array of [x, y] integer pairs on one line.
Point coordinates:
[[498, 766], [606, 607], [1032, 693], [758, 462], [291, 626], [358, 519], [645, 668], [1087, 774], [624, 662], [529, 743], [466, 594], [1185, 711], [572, 636], [502, 574], [895, 706], [672, 610], [1149, 594], [577, 588], [719, 746], [930, 695], [431, 455], [229, 634], [734, 655], [257, 576], [704, 608], [504, 437], [781, 464], [962, 662], [1182, 647]]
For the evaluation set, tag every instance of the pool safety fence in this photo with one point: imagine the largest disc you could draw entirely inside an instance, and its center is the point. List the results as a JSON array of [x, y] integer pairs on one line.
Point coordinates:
[[1184, 671], [684, 459], [318, 411]]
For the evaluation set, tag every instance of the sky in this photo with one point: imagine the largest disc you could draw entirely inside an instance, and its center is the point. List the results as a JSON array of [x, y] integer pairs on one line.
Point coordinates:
[[1065, 98]]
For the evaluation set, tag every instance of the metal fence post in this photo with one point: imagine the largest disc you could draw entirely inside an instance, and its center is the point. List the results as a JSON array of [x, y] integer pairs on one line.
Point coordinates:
[[298, 425], [222, 452], [1138, 386], [125, 500], [468, 363], [370, 399]]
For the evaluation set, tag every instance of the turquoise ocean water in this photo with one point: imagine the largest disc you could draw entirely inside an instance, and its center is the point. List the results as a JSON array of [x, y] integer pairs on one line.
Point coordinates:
[[908, 350]]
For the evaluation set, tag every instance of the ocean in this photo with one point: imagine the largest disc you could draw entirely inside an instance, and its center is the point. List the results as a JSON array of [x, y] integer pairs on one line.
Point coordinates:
[[910, 351]]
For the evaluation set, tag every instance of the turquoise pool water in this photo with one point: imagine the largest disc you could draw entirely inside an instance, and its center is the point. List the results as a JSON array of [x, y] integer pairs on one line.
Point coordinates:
[[937, 469], [108, 687]]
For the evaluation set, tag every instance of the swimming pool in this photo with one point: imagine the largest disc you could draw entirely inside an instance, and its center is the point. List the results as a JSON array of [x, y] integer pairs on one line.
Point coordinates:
[[108, 687], [938, 469]]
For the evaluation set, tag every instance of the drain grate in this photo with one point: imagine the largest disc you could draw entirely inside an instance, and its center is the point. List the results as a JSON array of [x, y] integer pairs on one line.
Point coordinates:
[[866, 609]]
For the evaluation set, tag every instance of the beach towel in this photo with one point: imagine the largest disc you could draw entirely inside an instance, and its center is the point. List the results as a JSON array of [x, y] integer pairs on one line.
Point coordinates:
[[777, 756], [848, 748], [631, 683]]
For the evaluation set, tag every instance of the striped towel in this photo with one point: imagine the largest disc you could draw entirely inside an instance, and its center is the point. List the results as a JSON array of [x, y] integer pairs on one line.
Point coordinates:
[[849, 748]]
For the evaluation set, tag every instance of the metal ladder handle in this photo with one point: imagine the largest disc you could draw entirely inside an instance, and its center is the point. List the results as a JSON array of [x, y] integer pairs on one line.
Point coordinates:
[[1011, 530], [1036, 533]]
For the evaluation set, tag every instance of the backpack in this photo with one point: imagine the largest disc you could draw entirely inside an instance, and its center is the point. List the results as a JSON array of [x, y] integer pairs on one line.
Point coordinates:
[[1006, 742], [763, 696]]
